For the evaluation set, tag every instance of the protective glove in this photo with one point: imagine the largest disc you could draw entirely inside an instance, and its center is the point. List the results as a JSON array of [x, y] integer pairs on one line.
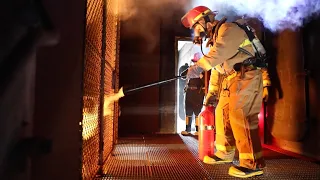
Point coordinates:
[[184, 74], [192, 72], [197, 40], [265, 94], [211, 99]]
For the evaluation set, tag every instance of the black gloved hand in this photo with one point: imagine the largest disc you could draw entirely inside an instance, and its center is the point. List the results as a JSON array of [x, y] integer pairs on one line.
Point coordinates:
[[197, 40], [211, 100], [184, 74]]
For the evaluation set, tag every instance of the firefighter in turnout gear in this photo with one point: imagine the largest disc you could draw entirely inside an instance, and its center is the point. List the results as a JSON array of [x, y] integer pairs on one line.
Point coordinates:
[[238, 56], [194, 90]]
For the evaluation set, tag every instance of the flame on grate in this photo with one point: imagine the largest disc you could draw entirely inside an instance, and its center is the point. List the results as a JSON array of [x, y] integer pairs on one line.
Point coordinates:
[[109, 99], [90, 123]]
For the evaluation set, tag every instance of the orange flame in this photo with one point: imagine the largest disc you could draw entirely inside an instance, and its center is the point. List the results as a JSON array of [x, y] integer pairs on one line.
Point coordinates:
[[109, 99], [90, 119]]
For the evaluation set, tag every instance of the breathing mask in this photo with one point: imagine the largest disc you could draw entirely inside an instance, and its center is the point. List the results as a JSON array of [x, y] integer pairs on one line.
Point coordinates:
[[200, 32]]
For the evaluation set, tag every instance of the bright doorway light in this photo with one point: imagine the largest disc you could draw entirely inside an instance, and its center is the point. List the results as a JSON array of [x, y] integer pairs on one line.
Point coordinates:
[[185, 52]]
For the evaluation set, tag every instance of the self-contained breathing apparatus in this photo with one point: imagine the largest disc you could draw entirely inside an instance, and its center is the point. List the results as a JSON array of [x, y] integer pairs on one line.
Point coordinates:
[[259, 60]]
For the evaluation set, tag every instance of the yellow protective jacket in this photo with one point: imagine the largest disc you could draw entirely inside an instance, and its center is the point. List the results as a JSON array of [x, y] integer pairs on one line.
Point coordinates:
[[224, 54]]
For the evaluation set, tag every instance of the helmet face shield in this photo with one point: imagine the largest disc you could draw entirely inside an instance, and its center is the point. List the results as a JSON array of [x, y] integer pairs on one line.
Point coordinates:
[[198, 29], [197, 19], [199, 33]]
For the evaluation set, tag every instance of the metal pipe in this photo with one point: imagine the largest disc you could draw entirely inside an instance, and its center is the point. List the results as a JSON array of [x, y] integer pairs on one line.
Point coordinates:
[[150, 85]]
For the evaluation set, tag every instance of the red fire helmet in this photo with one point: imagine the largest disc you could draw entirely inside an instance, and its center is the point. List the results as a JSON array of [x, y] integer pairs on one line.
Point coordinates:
[[194, 15]]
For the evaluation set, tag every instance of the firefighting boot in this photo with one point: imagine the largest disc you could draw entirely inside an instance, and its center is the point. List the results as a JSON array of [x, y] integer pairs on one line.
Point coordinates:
[[197, 121], [188, 126], [187, 131], [242, 172], [215, 160], [196, 133]]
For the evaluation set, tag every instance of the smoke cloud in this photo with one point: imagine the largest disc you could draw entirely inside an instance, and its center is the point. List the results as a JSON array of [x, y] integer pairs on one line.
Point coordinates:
[[276, 15], [142, 18]]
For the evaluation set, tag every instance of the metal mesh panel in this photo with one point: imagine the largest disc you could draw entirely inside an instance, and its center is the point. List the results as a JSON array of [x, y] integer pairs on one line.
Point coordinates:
[[90, 133], [111, 57], [91, 97], [94, 24], [108, 120], [116, 105], [99, 130], [111, 40]]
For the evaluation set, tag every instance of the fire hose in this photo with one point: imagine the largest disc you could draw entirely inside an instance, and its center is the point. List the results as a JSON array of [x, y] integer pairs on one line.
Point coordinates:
[[115, 97], [127, 91]]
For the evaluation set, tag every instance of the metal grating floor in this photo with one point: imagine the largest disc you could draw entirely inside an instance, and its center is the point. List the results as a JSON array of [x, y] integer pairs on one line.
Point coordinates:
[[175, 157]]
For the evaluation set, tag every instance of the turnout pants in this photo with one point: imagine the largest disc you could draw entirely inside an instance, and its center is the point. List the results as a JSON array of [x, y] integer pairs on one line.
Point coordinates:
[[237, 119]]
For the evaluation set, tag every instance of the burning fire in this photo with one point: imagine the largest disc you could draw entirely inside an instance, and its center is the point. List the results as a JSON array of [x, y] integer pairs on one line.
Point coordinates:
[[90, 122], [109, 99]]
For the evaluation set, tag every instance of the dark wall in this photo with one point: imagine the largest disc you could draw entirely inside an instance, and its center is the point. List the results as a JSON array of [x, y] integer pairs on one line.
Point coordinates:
[[16, 110], [139, 65], [312, 65], [289, 69], [293, 123], [58, 108], [171, 28], [17, 68]]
